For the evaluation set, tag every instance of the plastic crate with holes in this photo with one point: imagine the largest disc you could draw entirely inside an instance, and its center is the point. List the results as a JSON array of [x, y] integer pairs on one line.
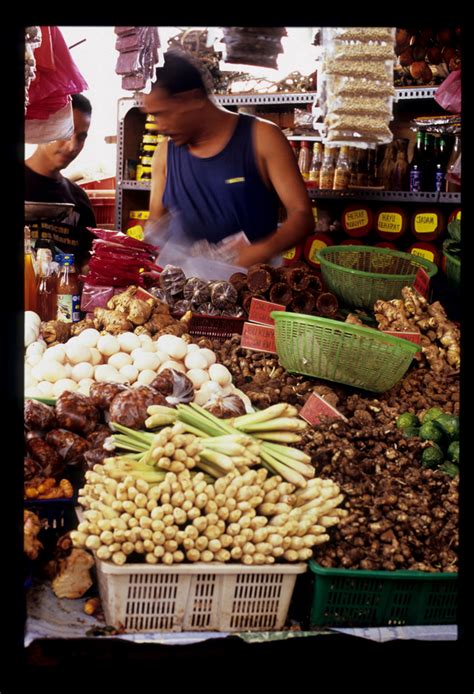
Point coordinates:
[[196, 597], [360, 598]]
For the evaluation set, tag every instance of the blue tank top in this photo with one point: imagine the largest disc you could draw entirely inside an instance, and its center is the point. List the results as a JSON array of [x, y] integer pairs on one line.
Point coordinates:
[[220, 195]]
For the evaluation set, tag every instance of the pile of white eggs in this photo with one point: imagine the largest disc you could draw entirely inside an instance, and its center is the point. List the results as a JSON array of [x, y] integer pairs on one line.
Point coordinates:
[[127, 358]]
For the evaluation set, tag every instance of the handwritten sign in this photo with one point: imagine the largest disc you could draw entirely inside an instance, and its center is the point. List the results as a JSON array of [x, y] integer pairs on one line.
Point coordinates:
[[316, 407], [260, 311], [260, 338], [422, 283], [414, 337]]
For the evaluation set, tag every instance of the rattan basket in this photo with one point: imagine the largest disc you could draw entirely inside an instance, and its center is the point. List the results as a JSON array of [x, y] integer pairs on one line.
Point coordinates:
[[336, 351], [359, 275]]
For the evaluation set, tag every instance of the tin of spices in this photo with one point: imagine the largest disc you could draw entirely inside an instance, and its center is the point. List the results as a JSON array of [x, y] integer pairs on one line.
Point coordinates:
[[313, 244], [427, 224], [426, 250], [357, 220], [390, 222]]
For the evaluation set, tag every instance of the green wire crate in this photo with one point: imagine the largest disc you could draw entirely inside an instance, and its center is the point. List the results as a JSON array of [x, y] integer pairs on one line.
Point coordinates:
[[337, 351], [358, 598], [453, 270], [359, 275]]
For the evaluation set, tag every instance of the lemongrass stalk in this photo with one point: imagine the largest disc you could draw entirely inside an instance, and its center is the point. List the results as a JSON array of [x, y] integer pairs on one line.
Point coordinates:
[[193, 430], [188, 417], [159, 420], [289, 452], [278, 436], [161, 409], [210, 470], [303, 468], [226, 447], [278, 424], [226, 428], [142, 436], [260, 416], [284, 471], [223, 461]]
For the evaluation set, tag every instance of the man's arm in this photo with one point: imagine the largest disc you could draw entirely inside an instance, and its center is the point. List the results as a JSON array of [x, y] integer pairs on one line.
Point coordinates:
[[158, 181], [278, 165]]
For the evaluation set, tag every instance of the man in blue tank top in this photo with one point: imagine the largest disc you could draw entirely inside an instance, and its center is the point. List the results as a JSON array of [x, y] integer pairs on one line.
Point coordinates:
[[221, 172]]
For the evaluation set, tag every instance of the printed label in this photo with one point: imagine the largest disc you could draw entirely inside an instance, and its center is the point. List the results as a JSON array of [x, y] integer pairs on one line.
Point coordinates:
[[317, 407], [411, 337], [290, 253], [259, 338], [315, 247], [390, 222], [440, 180], [423, 253], [260, 311], [426, 223], [422, 282], [69, 308], [356, 219], [415, 181], [136, 232]]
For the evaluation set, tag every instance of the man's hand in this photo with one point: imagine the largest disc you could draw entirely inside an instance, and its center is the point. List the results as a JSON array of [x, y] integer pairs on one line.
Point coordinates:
[[255, 253]]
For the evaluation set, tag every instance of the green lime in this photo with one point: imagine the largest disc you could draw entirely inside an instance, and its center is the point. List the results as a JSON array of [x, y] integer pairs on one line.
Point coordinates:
[[449, 424], [410, 431], [453, 451], [432, 413], [432, 456], [430, 432], [406, 420], [450, 469]]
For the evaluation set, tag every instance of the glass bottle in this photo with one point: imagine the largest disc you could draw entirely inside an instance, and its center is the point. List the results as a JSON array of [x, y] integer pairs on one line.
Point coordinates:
[[326, 174], [428, 163], [30, 274], [295, 147], [68, 292], [353, 177], [362, 168], [416, 165], [342, 173], [399, 179], [46, 286], [316, 162], [371, 171], [453, 169], [304, 160], [439, 164]]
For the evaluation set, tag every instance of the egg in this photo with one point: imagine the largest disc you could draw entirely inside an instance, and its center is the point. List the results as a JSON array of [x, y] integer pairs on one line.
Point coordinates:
[[108, 345], [119, 359], [49, 370], [57, 352], [144, 338], [129, 341], [33, 318], [33, 393], [146, 377], [220, 374], [82, 370], [77, 352], [96, 356], [89, 337], [35, 348], [104, 373], [146, 361], [193, 348], [63, 385], [195, 360], [84, 386], [67, 370], [209, 355], [34, 360], [30, 380], [46, 388], [174, 347], [130, 373], [198, 377]]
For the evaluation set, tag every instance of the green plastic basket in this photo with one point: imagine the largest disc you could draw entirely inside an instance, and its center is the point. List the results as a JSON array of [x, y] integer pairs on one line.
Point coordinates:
[[342, 352], [353, 597], [359, 275], [453, 269]]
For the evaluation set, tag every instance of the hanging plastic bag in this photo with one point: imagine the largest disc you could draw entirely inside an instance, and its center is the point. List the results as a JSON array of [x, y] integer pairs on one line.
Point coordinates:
[[448, 94]]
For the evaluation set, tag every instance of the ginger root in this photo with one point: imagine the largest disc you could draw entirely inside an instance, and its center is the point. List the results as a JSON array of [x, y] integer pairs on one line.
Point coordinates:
[[31, 528], [73, 578], [440, 338], [114, 322]]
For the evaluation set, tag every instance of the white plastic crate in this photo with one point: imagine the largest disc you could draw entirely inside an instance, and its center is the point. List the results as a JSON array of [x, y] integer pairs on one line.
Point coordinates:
[[197, 597]]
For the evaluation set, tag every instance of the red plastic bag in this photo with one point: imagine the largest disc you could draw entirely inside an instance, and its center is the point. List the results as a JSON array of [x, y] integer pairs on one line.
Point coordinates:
[[448, 94], [119, 237]]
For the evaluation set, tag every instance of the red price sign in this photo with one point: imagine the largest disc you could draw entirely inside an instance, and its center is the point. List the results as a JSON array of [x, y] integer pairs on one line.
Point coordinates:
[[260, 311], [316, 407], [422, 283], [143, 294], [411, 337], [260, 338]]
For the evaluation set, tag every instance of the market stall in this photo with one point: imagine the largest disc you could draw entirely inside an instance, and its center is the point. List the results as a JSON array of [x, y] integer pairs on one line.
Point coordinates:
[[272, 453]]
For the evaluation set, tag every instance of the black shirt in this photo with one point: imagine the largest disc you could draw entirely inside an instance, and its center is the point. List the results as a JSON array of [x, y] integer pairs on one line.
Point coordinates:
[[70, 235]]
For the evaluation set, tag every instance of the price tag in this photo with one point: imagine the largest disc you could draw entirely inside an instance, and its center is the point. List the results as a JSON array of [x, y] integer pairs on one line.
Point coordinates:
[[260, 338], [411, 337], [143, 294], [260, 311], [422, 283], [316, 407]]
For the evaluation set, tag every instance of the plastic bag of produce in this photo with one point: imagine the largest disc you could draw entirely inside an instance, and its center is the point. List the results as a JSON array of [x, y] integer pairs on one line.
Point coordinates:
[[448, 94]]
